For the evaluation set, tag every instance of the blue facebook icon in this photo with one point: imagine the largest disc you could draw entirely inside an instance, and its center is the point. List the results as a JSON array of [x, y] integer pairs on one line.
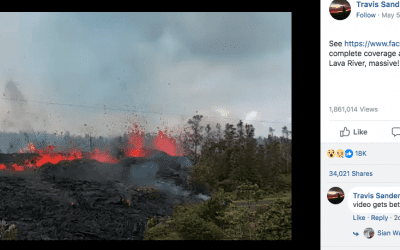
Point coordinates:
[[348, 153]]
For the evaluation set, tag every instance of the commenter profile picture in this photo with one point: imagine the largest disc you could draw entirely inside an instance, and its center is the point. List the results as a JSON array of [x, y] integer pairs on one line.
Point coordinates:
[[335, 195], [340, 9], [369, 233]]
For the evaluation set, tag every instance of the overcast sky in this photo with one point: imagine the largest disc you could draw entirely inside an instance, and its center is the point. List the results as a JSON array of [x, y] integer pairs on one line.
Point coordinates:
[[163, 67]]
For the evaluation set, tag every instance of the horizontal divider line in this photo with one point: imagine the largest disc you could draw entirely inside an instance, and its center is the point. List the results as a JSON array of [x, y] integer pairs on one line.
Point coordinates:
[[364, 120]]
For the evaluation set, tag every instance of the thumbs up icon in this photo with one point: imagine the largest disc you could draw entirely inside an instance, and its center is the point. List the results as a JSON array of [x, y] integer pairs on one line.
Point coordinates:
[[344, 132]]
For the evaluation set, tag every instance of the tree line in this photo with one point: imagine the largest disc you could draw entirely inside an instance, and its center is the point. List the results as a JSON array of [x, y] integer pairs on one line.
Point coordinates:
[[230, 157]]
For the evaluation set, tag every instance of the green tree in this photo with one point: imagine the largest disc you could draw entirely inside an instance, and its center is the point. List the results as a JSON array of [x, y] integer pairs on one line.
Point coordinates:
[[285, 148], [229, 132], [271, 130], [274, 165], [238, 157], [229, 145], [233, 157], [250, 154], [261, 165], [193, 138], [207, 147], [285, 132], [219, 133], [240, 132]]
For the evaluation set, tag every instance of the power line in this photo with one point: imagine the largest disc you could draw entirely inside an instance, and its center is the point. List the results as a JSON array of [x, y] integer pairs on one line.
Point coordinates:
[[119, 109], [275, 122]]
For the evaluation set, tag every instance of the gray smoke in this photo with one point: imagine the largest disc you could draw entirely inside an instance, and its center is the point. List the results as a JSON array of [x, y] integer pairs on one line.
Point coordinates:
[[162, 172], [20, 117]]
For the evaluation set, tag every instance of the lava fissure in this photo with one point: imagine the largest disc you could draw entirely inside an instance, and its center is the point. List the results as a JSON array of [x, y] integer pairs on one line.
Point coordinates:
[[133, 148]]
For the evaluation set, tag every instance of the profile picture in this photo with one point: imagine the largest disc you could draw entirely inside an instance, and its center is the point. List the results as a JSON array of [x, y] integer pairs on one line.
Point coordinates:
[[340, 9], [335, 195], [369, 233]]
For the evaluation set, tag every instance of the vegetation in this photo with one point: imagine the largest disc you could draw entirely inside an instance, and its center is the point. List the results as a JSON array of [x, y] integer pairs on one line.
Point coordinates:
[[211, 220], [7, 232], [234, 158], [235, 167]]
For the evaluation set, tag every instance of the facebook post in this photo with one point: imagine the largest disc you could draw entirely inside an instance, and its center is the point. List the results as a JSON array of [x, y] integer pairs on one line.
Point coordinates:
[[360, 124]]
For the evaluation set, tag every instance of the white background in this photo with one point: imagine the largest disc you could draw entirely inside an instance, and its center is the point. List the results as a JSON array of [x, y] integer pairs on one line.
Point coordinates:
[[373, 87]]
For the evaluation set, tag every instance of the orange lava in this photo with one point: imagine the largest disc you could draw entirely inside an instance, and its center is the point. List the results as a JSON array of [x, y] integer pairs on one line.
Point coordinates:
[[134, 148], [47, 156], [135, 144], [103, 156], [165, 144], [168, 144]]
